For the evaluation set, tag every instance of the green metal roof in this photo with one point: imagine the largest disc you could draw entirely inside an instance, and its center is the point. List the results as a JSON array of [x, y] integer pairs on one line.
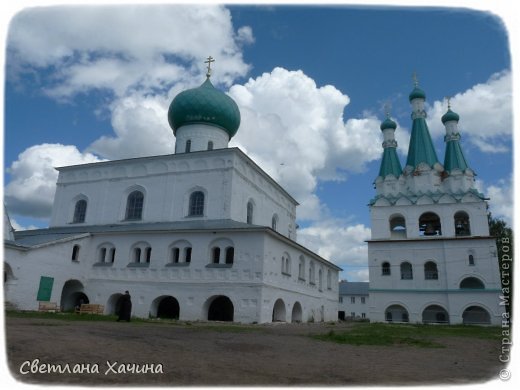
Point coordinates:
[[417, 93], [421, 148], [450, 116], [454, 158], [207, 105], [390, 164], [388, 124]]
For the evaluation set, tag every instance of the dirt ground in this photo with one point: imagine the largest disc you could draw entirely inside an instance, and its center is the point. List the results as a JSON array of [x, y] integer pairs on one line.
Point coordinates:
[[218, 354]]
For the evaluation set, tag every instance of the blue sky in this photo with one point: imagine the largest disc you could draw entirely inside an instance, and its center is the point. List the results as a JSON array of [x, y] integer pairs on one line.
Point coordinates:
[[311, 83]]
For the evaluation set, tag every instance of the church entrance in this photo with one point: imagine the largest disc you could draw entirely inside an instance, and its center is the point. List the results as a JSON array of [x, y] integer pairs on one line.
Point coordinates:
[[165, 306], [72, 295], [279, 311], [220, 309], [296, 315]]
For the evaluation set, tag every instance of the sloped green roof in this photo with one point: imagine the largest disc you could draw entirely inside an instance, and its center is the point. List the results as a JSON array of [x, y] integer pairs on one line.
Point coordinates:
[[421, 148], [390, 164], [454, 158], [204, 104]]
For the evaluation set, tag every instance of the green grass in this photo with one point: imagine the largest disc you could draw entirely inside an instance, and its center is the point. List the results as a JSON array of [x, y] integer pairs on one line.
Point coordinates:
[[424, 336]]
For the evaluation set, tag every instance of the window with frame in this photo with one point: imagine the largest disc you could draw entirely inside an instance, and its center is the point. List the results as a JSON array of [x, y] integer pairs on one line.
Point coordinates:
[[230, 254], [80, 211], [329, 280], [188, 146], [430, 271], [471, 260], [301, 268], [148, 254], [216, 255], [385, 268], [196, 208], [137, 255], [112, 255], [274, 222], [134, 205], [187, 254], [352, 299], [75, 253], [249, 217], [176, 255], [406, 271], [102, 254]]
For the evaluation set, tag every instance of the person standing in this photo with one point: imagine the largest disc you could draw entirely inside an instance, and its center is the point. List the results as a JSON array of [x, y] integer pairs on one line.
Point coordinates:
[[125, 310]]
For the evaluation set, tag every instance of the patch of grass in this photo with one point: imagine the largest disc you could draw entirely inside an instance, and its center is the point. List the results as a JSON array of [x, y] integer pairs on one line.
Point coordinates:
[[424, 336]]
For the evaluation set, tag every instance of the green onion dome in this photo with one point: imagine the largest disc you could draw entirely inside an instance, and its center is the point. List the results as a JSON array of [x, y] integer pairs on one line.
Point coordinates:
[[206, 105], [417, 93], [450, 116], [388, 124]]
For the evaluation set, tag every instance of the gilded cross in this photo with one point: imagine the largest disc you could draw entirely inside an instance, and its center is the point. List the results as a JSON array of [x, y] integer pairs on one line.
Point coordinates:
[[208, 61]]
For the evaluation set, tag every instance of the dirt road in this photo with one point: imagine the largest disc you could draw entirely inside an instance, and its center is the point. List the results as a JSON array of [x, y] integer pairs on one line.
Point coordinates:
[[219, 354]]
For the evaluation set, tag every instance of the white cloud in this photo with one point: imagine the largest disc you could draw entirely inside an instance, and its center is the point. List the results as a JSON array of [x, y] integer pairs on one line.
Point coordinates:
[[295, 131], [485, 112], [501, 200], [16, 226], [30, 191], [104, 47], [341, 243]]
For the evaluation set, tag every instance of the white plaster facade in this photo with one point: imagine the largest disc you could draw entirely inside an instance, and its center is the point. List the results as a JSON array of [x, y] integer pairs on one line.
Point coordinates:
[[254, 283]]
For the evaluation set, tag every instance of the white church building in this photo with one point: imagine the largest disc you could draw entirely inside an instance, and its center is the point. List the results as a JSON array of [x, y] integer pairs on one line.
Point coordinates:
[[202, 234], [431, 258]]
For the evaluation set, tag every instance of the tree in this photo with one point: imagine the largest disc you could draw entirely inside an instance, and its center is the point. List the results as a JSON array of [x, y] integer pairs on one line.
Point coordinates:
[[504, 238]]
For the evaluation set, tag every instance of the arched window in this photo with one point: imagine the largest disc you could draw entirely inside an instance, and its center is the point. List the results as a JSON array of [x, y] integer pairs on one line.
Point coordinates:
[[137, 255], [471, 260], [472, 283], [301, 268], [230, 254], [311, 273], [102, 254], [175, 255], [210, 145], [187, 255], [329, 280], [385, 268], [462, 227], [107, 253], [188, 146], [430, 225], [112, 255], [397, 227], [430, 271], [320, 279], [148, 254], [75, 253], [249, 218], [196, 204], [406, 271], [216, 255], [134, 205], [80, 211], [274, 222]]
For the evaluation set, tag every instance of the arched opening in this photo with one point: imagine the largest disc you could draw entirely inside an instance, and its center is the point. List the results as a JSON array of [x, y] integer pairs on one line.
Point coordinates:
[[165, 307], [397, 227], [296, 315], [187, 148], [472, 283], [462, 227], [435, 314], [406, 271], [385, 268], [249, 217], [72, 295], [279, 314], [396, 313], [210, 145], [8, 273], [274, 222], [230, 255], [430, 225], [220, 309], [113, 305], [430, 271], [476, 315]]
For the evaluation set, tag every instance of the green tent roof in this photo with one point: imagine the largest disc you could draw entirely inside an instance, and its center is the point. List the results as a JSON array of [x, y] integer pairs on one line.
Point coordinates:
[[454, 158], [421, 148], [390, 164]]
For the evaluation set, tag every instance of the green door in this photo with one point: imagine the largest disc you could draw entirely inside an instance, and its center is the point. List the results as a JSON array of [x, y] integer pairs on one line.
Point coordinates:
[[45, 290]]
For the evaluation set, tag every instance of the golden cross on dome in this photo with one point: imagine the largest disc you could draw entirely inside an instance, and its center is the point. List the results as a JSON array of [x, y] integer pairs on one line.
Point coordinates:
[[415, 79], [208, 61], [448, 98]]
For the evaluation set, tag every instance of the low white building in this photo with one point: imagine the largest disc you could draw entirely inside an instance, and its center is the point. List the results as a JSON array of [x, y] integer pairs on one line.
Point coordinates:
[[202, 234], [353, 300], [430, 257]]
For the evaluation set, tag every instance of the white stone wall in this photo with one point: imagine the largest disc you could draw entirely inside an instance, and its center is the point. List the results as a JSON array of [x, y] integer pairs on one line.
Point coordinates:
[[227, 178], [200, 135], [358, 307]]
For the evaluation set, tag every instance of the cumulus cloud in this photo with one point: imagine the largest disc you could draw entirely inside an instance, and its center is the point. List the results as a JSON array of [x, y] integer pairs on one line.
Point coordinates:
[[103, 47], [501, 203], [296, 131], [30, 191], [485, 114], [340, 242]]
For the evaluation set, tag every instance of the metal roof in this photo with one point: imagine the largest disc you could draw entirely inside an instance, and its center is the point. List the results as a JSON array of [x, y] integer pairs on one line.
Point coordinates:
[[353, 288]]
